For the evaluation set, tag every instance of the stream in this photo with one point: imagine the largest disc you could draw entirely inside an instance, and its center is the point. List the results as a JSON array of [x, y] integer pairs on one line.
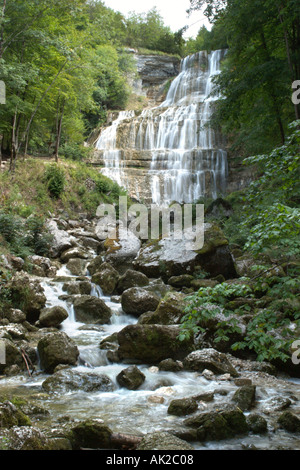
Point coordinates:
[[145, 410]]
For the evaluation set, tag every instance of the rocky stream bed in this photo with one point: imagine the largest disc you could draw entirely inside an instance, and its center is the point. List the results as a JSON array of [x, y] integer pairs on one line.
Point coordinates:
[[93, 358]]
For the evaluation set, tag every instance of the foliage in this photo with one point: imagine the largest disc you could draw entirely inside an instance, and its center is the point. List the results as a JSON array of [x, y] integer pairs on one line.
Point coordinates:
[[55, 179]]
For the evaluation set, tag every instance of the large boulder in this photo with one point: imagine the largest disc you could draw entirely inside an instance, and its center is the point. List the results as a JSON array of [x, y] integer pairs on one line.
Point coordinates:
[[169, 311], [131, 278], [151, 344], [91, 434], [57, 348], [136, 301], [13, 356], [67, 380], [61, 240], [106, 277], [209, 358], [170, 257], [89, 309], [52, 317], [28, 295], [122, 251]]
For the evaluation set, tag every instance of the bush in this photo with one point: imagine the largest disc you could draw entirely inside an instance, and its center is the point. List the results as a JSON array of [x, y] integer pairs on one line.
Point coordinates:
[[55, 179]]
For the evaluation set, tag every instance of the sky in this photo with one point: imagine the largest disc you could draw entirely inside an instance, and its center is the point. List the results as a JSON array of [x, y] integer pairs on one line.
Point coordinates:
[[173, 13]]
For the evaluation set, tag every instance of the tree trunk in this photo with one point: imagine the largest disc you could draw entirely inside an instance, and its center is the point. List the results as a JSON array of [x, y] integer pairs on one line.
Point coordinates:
[[59, 125]]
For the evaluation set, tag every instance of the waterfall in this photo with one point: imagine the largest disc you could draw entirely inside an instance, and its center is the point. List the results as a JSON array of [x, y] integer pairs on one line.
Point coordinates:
[[186, 157]]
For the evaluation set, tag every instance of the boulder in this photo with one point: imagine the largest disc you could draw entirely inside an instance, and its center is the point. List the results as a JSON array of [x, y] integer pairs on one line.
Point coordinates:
[[218, 425], [151, 344], [56, 348], [209, 358], [131, 378], [169, 311], [77, 287], [163, 441], [67, 380], [182, 406], [77, 266], [52, 317], [257, 424], [91, 434], [244, 397], [106, 277], [11, 416], [122, 251], [170, 365], [170, 257], [89, 309], [136, 301], [61, 240], [13, 356], [72, 253], [131, 278], [24, 438], [41, 265], [28, 295], [289, 421], [183, 280], [15, 315]]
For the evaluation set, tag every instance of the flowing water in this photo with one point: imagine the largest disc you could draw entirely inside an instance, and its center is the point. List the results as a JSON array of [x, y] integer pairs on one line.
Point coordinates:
[[187, 156], [144, 410]]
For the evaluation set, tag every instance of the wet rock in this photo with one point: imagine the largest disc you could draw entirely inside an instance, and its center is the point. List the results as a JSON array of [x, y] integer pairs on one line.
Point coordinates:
[[69, 380], [77, 266], [152, 343], [170, 365], [173, 257], [131, 378], [206, 397], [124, 249], [77, 287], [52, 316], [106, 277], [11, 416], [289, 421], [13, 331], [169, 311], [276, 404], [28, 294], [182, 406], [163, 441], [218, 425], [131, 278], [13, 356], [91, 434], [136, 301], [245, 397], [41, 266], [24, 438], [72, 253], [257, 424], [61, 241], [211, 359], [89, 309], [57, 348], [183, 280], [15, 315]]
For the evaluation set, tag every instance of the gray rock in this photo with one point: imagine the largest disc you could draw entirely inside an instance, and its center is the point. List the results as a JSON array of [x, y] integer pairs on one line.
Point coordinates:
[[106, 277], [77, 266], [163, 441], [131, 278], [245, 397], [89, 309], [209, 358], [69, 380], [136, 301], [53, 316], [131, 378], [61, 239], [57, 348], [182, 406]]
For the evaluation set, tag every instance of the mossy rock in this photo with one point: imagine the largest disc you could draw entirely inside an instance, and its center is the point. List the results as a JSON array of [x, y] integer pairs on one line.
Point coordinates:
[[91, 434]]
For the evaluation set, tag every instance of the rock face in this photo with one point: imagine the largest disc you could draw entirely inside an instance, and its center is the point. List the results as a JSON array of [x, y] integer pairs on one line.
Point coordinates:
[[57, 348], [89, 309], [151, 344], [136, 301]]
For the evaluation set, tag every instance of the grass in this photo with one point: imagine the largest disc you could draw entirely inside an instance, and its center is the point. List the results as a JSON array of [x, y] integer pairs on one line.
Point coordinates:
[[25, 192]]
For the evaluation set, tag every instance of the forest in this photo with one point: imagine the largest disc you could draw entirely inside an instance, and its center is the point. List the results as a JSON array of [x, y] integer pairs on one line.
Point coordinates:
[[223, 320]]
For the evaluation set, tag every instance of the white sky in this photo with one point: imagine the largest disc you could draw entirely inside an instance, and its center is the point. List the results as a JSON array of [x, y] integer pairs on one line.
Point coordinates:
[[173, 13]]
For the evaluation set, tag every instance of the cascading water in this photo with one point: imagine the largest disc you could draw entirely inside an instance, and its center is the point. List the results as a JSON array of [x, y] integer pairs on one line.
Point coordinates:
[[186, 156]]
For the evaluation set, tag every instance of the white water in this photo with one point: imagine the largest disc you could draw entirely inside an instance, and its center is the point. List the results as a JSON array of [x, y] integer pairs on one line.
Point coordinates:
[[188, 160]]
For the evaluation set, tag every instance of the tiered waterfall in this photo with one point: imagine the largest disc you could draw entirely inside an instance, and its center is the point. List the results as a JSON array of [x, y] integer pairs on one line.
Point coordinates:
[[169, 152]]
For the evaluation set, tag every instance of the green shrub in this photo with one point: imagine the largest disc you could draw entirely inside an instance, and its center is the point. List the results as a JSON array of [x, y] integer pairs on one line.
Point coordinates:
[[55, 179]]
